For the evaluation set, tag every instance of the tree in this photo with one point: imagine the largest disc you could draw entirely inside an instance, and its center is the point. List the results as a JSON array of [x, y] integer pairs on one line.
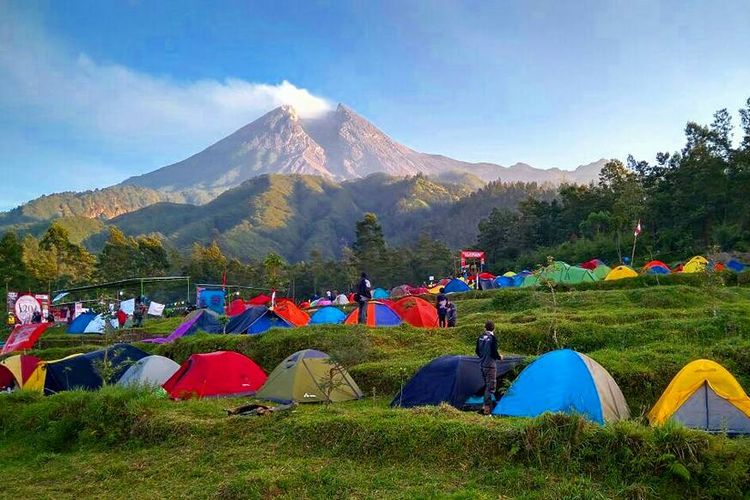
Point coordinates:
[[55, 260], [13, 270], [273, 271], [206, 264], [369, 246]]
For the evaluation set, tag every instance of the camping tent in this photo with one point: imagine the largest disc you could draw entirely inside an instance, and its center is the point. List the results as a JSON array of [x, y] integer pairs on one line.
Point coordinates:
[[601, 271], [237, 306], [84, 370], [200, 319], [328, 316], [341, 300], [256, 320], [736, 266], [504, 282], [455, 286], [417, 312], [560, 272], [488, 284], [448, 379], [220, 373], [21, 366], [90, 322], [151, 371], [656, 267], [288, 310], [400, 291], [592, 264], [259, 300], [695, 265], [621, 272], [7, 380], [704, 395], [307, 377], [509, 274], [379, 293], [564, 381], [378, 314]]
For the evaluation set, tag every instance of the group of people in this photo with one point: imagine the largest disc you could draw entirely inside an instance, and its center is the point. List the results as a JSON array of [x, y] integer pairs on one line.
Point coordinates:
[[446, 310]]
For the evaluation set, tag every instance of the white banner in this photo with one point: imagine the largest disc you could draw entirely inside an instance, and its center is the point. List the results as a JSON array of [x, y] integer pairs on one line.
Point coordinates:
[[155, 309]]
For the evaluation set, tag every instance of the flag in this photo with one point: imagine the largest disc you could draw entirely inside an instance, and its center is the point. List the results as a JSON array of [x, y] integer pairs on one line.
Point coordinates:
[[24, 337], [637, 230]]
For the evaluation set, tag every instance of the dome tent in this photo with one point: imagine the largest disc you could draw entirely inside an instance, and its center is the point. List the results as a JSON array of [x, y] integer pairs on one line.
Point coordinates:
[[151, 371], [704, 395], [256, 320], [456, 286], [379, 293], [309, 376], [220, 373], [417, 312], [21, 366], [564, 381], [621, 272], [695, 265], [448, 379], [328, 315], [378, 314]]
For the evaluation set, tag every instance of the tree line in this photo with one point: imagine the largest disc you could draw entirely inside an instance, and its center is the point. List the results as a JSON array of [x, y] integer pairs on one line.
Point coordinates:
[[689, 202]]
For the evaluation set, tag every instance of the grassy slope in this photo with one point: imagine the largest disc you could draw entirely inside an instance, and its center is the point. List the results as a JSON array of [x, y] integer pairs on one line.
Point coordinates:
[[121, 444]]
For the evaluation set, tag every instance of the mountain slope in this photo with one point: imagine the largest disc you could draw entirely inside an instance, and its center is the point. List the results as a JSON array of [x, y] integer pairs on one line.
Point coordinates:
[[295, 214], [340, 145]]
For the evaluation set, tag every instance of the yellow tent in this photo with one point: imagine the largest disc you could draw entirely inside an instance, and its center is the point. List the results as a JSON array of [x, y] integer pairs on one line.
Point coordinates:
[[509, 274], [619, 273], [36, 381], [436, 289], [21, 366], [695, 265], [704, 395]]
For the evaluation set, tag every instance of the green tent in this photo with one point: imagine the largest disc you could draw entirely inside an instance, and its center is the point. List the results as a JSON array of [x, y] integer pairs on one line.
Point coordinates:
[[601, 271], [560, 272], [307, 377]]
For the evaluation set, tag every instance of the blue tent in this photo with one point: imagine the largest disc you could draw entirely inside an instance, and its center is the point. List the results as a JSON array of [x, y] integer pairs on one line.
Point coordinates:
[[327, 316], [456, 285], [211, 299], [448, 379], [79, 324], [504, 282], [568, 382], [379, 293], [255, 320], [83, 371], [487, 284], [657, 270], [736, 266], [518, 278]]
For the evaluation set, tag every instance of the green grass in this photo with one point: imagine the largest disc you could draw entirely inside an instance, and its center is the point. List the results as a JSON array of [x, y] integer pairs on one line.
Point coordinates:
[[121, 444]]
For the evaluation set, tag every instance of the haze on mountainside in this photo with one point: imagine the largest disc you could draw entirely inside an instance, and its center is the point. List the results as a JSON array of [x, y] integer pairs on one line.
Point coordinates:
[[339, 145]]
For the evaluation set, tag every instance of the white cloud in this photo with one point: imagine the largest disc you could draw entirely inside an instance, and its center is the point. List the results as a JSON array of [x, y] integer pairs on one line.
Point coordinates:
[[120, 105]]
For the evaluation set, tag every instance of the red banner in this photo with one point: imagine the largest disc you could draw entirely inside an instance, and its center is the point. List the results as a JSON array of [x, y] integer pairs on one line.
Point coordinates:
[[471, 254], [24, 337]]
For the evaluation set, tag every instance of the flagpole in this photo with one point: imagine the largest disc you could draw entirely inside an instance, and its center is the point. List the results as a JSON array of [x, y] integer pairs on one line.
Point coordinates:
[[635, 239]]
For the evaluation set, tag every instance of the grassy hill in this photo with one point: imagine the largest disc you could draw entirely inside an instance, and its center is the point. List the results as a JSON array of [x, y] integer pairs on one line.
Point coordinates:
[[121, 444]]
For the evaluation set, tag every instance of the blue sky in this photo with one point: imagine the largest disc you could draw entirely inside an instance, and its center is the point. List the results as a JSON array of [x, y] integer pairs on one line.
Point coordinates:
[[94, 92]]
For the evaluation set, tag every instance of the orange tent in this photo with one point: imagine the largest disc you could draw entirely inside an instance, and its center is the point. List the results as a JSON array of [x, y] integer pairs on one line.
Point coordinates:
[[287, 310], [417, 312]]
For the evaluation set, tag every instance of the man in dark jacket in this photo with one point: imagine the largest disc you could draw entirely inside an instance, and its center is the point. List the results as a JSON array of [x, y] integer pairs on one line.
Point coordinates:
[[364, 294], [487, 351], [441, 302]]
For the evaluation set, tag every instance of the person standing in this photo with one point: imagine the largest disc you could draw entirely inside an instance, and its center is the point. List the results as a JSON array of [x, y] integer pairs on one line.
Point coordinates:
[[441, 302], [364, 294], [450, 314], [488, 355]]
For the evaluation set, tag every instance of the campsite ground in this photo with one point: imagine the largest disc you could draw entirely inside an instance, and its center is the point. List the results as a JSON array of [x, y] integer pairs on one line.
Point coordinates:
[[117, 443]]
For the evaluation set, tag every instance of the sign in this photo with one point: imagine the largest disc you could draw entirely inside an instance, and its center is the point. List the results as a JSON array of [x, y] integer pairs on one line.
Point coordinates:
[[24, 337], [471, 254], [25, 307]]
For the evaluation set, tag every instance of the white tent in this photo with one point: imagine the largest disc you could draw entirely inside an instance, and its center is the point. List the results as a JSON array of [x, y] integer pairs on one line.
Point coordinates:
[[341, 300], [150, 371], [96, 325]]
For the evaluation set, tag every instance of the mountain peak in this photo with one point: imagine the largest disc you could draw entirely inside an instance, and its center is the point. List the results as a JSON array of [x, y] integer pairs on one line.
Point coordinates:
[[339, 145]]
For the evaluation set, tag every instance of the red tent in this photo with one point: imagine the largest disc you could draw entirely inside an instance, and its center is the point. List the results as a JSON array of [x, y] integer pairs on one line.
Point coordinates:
[[259, 300], [592, 264], [21, 366], [221, 373], [24, 337], [653, 263], [237, 306], [417, 312], [420, 291], [7, 380]]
